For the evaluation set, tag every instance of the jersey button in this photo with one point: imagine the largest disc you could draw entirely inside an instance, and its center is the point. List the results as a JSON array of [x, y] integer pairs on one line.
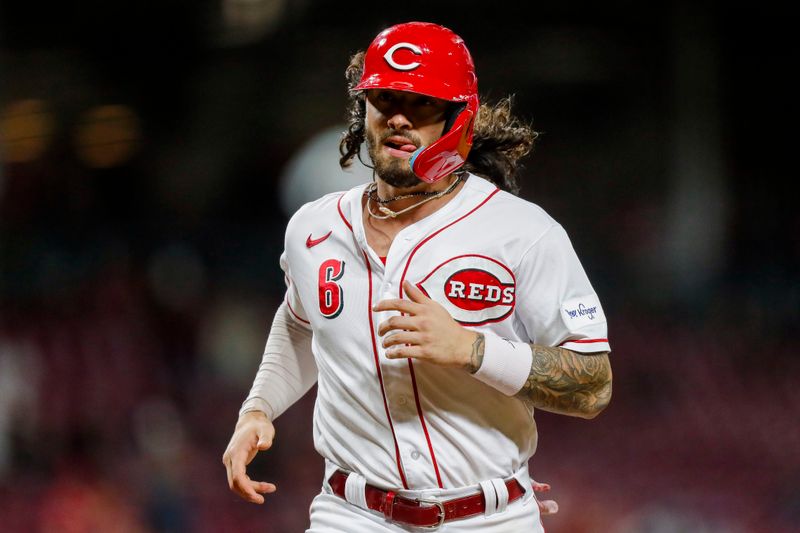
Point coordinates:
[[402, 400], [415, 455]]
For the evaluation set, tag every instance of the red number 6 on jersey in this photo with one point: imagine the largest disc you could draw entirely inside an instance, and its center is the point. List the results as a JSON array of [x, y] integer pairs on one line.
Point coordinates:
[[331, 294]]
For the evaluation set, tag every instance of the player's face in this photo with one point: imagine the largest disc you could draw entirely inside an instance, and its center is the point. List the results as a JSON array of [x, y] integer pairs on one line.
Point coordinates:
[[397, 124]]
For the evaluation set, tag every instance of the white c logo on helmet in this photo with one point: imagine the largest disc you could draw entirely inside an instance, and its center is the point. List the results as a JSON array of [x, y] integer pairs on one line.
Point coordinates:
[[399, 66]]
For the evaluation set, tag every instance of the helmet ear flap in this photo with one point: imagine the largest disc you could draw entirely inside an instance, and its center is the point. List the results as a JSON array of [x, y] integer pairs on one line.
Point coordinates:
[[455, 110], [450, 151]]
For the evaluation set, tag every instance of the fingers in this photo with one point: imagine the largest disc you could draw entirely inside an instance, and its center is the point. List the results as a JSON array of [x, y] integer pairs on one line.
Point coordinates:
[[236, 470], [402, 337], [412, 306], [227, 462], [397, 322], [243, 486], [414, 293], [547, 507], [398, 352], [396, 304], [240, 483], [266, 488], [251, 490], [540, 487]]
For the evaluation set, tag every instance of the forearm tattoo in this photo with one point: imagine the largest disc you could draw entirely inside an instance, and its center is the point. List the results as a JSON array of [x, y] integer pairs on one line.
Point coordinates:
[[565, 382], [476, 357]]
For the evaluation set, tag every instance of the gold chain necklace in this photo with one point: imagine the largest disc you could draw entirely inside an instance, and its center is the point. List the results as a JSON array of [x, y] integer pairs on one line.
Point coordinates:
[[388, 213]]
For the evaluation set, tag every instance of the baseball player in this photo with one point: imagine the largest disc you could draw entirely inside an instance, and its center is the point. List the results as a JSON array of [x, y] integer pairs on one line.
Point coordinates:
[[434, 309]]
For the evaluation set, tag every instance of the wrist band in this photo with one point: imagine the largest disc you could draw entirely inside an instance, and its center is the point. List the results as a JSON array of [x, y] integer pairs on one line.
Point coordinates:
[[506, 364]]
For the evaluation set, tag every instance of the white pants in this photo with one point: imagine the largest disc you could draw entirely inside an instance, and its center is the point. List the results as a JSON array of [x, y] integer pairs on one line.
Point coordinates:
[[332, 514]]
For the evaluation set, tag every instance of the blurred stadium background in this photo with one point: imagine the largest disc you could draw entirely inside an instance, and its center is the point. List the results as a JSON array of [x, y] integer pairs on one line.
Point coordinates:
[[152, 153]]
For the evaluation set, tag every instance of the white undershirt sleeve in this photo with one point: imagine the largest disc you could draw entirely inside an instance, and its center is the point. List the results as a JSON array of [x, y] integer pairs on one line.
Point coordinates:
[[287, 369]]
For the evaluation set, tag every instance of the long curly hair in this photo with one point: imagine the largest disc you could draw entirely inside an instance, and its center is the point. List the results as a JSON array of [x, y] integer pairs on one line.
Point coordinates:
[[499, 142]]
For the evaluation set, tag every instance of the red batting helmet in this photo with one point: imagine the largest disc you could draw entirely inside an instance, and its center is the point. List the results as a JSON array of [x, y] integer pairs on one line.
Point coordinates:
[[429, 59]]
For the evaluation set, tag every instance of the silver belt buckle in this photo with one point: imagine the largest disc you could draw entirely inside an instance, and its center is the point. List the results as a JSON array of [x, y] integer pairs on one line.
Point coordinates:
[[439, 505]]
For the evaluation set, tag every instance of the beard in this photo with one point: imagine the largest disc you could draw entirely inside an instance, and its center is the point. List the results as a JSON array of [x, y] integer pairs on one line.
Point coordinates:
[[393, 170]]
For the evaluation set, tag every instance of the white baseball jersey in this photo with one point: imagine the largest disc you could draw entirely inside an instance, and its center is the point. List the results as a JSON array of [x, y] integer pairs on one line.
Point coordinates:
[[496, 263]]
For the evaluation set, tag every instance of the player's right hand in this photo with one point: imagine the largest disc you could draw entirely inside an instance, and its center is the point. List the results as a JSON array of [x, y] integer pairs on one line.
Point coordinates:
[[254, 433]]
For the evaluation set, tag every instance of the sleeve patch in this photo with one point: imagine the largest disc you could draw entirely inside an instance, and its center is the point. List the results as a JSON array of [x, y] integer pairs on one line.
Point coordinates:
[[578, 313]]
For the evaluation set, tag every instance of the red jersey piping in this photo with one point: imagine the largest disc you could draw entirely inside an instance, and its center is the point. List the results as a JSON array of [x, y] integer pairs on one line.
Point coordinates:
[[341, 214], [584, 341], [375, 349], [380, 376], [410, 363], [298, 317]]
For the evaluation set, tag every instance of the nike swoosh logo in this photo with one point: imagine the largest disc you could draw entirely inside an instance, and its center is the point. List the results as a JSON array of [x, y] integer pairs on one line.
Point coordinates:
[[313, 242]]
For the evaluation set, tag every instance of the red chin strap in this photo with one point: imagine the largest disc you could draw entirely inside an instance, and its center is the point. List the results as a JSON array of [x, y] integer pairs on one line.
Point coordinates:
[[448, 153]]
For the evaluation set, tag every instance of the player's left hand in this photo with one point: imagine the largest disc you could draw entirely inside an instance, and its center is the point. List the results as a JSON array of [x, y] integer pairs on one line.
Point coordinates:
[[427, 332], [546, 507]]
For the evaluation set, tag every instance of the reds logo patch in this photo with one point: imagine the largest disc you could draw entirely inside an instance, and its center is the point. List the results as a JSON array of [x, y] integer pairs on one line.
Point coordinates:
[[474, 289]]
